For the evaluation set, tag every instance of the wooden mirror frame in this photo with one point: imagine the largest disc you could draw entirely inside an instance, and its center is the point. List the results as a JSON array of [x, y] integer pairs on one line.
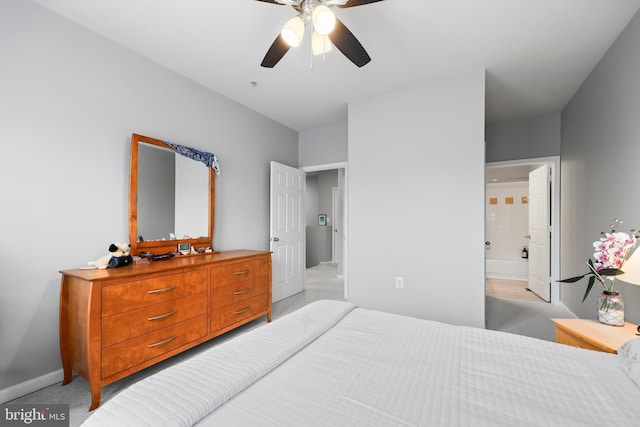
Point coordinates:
[[159, 247]]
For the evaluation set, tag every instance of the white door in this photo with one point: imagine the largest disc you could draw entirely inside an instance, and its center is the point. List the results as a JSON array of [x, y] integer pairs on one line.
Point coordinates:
[[287, 230], [539, 231]]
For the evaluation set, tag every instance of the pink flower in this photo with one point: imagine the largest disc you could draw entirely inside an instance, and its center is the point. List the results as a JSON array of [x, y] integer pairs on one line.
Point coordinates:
[[612, 249]]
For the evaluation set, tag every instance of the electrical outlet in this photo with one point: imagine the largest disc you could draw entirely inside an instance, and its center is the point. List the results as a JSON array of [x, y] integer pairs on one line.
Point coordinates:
[[399, 282]]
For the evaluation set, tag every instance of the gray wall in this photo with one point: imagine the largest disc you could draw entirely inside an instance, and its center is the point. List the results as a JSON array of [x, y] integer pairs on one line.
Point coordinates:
[[325, 145], [319, 194], [311, 199], [70, 102], [327, 180], [319, 200], [599, 169], [415, 208], [528, 138]]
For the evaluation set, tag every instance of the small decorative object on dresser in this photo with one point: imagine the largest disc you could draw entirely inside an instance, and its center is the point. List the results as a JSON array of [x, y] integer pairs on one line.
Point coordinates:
[[322, 219], [115, 322], [118, 256], [611, 252]]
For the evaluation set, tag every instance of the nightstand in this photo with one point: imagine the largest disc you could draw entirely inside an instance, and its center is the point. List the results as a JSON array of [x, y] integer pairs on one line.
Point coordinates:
[[593, 335]]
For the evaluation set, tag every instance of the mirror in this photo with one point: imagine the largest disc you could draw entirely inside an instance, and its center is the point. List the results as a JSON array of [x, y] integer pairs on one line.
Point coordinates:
[[171, 198]]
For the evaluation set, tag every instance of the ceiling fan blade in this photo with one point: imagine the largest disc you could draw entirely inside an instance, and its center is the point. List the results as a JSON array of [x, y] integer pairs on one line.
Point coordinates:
[[275, 53], [348, 44], [275, 2], [353, 3]]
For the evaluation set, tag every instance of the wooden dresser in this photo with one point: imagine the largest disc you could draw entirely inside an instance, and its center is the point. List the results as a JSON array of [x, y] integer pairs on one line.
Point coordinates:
[[115, 322]]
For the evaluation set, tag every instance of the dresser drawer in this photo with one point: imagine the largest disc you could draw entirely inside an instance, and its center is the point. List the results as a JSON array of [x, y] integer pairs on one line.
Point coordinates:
[[236, 312], [121, 327], [225, 275], [140, 293], [230, 294], [129, 353]]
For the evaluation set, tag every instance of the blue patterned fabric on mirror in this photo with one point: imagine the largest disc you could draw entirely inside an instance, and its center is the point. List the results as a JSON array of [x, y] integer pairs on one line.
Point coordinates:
[[208, 159]]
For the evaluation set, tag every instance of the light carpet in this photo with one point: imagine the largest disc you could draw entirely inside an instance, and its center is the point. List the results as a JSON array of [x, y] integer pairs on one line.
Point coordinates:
[[529, 318]]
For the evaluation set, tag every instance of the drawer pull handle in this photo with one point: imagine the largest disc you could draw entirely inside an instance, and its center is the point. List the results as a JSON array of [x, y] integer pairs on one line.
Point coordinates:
[[162, 342], [244, 291], [157, 291], [238, 273], [162, 316], [244, 310]]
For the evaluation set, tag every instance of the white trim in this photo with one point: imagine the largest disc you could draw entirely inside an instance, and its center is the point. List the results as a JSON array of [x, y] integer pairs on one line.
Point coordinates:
[[325, 167], [29, 386], [345, 207], [554, 164], [334, 191]]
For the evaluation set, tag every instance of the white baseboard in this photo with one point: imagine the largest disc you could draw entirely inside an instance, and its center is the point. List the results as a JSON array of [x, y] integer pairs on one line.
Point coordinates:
[[31, 385]]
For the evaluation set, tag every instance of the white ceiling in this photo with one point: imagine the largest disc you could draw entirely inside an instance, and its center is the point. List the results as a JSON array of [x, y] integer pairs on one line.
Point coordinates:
[[537, 53]]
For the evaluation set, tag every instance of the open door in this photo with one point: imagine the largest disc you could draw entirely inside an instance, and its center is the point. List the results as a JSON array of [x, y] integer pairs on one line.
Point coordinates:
[[540, 232], [287, 230]]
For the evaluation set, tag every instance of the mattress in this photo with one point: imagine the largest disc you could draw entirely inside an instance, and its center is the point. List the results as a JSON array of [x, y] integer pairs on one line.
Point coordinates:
[[334, 364]]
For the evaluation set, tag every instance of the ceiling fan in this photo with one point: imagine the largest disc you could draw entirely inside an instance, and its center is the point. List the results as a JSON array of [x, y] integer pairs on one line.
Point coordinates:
[[327, 30]]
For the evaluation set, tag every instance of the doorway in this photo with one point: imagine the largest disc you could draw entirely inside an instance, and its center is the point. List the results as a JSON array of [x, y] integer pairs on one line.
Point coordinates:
[[337, 224], [507, 228]]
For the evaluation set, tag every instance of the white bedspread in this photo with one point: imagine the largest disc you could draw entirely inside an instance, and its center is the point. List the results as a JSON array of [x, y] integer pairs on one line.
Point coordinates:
[[379, 369], [183, 394]]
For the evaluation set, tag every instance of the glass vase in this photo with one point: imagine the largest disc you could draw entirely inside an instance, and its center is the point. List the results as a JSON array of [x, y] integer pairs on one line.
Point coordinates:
[[611, 308]]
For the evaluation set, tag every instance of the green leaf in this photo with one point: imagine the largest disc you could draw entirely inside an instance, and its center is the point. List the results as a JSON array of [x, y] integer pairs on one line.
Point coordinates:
[[610, 272], [592, 280], [573, 279]]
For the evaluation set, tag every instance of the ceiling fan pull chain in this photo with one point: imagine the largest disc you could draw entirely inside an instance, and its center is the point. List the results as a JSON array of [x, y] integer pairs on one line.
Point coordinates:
[[324, 49]]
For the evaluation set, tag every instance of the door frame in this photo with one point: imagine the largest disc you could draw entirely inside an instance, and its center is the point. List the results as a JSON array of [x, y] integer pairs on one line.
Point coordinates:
[[554, 166], [335, 191], [345, 213]]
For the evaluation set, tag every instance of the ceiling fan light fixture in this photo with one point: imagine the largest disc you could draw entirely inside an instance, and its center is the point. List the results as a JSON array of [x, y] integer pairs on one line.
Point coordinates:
[[293, 31], [320, 43], [323, 20]]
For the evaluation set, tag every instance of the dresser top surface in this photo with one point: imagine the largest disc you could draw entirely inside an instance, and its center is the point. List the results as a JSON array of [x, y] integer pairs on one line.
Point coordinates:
[[176, 263], [592, 331]]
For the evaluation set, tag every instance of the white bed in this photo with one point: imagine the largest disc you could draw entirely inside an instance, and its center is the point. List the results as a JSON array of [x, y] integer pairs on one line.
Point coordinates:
[[333, 364]]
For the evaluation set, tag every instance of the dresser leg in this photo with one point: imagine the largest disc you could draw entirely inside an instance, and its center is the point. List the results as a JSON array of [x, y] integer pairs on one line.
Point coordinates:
[[95, 397], [269, 317], [68, 374], [65, 351]]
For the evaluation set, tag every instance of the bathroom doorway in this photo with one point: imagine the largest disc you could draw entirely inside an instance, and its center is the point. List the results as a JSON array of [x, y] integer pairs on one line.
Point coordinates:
[[508, 226]]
